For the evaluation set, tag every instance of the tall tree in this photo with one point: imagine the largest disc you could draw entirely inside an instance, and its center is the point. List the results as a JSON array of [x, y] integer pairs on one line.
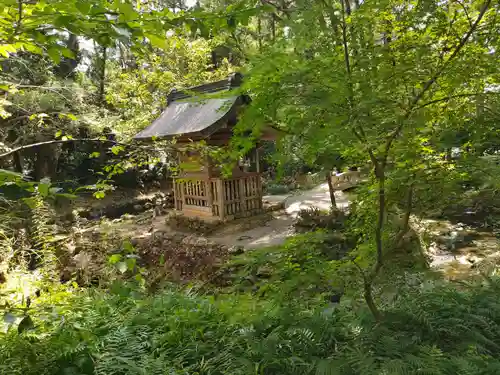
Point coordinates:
[[378, 82]]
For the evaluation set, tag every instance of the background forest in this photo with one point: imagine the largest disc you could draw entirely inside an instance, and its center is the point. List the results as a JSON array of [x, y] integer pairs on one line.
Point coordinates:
[[408, 91]]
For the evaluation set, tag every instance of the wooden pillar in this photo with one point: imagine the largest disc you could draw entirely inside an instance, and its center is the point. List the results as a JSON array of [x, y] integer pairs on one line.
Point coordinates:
[[259, 190], [243, 209], [181, 190], [176, 194], [257, 160], [210, 198], [221, 199]]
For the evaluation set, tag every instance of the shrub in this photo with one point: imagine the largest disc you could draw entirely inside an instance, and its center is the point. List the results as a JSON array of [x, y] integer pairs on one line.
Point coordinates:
[[305, 267], [277, 189], [431, 329], [192, 224], [311, 219]]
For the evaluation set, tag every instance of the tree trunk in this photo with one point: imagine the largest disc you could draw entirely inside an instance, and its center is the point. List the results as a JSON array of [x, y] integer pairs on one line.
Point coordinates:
[[331, 189], [406, 218], [18, 162], [370, 301], [259, 32], [273, 27], [102, 75], [42, 162]]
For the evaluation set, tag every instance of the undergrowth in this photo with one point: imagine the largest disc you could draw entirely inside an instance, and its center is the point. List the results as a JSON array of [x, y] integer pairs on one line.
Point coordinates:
[[430, 330], [307, 266]]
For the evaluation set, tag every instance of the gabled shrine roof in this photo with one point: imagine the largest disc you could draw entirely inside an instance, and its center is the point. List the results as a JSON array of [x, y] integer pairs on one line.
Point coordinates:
[[193, 113]]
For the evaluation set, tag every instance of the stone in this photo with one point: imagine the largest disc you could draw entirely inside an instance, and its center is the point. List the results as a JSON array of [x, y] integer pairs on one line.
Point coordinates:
[[264, 272], [195, 240], [242, 238], [236, 250], [82, 260]]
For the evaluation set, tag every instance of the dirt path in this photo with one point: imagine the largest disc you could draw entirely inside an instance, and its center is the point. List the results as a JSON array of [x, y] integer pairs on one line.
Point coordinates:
[[277, 230], [270, 229], [453, 249]]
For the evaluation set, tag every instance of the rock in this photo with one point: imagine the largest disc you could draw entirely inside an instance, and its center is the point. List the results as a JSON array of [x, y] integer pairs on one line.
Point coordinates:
[[236, 250], [242, 238], [264, 272], [82, 259], [194, 240]]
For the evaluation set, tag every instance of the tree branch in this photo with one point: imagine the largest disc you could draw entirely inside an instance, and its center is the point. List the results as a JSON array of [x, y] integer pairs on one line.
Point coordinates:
[[465, 11], [433, 80], [449, 98], [20, 16], [367, 286], [60, 141]]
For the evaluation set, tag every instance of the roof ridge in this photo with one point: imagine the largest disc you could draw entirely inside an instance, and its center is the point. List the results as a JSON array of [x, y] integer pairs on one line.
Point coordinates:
[[233, 80]]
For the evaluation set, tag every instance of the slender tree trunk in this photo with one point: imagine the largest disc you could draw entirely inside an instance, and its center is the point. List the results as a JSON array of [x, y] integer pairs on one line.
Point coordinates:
[[380, 175], [368, 295], [43, 159], [331, 189], [102, 77], [273, 27], [406, 217], [379, 168], [259, 32], [370, 278], [18, 162]]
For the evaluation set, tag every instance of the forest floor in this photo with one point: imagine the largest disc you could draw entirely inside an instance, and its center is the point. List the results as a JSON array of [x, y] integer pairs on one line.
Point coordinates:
[[456, 250], [275, 231]]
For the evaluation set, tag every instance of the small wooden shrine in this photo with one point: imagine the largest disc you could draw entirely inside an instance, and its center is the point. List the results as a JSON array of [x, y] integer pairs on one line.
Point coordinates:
[[192, 116]]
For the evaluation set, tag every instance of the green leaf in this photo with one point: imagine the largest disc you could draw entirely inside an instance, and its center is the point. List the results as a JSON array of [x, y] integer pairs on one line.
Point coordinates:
[[127, 11], [127, 246], [95, 154], [5, 49], [71, 116], [115, 258], [99, 194], [84, 6], [131, 262], [25, 324], [54, 55], [6, 175], [121, 266], [43, 189], [156, 41], [117, 149], [58, 133], [66, 52], [32, 48]]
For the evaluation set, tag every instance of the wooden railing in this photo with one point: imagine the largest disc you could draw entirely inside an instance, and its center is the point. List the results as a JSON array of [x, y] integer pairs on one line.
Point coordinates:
[[221, 198], [346, 180]]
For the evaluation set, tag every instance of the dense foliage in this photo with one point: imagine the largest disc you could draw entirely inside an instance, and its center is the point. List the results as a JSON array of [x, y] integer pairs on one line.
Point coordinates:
[[433, 329], [408, 91]]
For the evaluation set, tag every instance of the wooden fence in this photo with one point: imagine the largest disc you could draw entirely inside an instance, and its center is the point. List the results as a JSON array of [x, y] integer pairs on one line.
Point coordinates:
[[224, 199], [346, 180]]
